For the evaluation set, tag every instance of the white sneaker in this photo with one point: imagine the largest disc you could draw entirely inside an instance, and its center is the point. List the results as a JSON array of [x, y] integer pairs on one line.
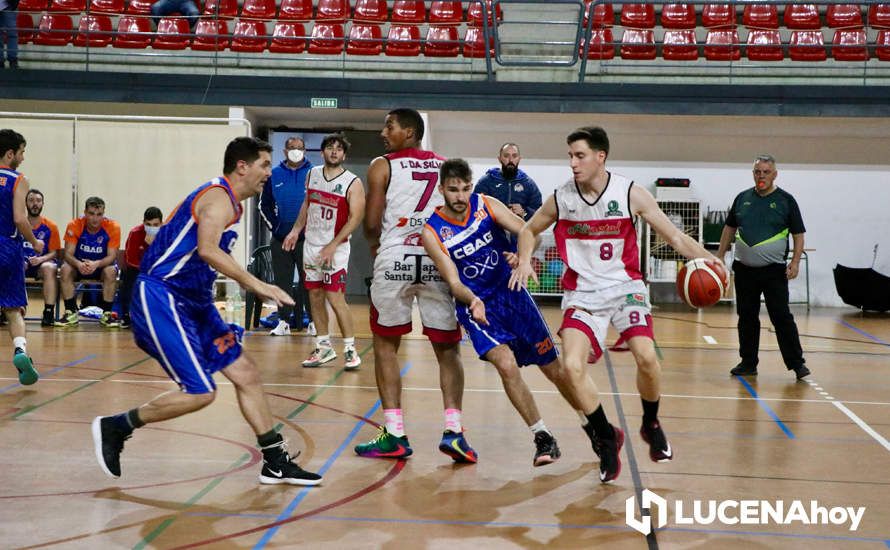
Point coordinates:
[[310, 330], [283, 329], [351, 360], [319, 357]]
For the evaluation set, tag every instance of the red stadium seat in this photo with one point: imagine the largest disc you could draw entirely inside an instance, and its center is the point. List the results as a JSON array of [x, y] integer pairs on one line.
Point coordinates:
[[603, 14], [54, 29], [139, 7], [288, 37], [327, 38], [259, 9], [408, 12], [211, 35], [249, 36], [849, 45], [764, 45], [807, 46], [474, 14], [843, 15], [332, 10], [638, 44], [67, 6], [602, 44], [722, 45], [446, 13], [759, 16], [802, 16], [365, 39], [882, 45], [878, 16], [718, 15], [107, 6], [678, 16], [25, 24], [33, 5], [474, 43], [441, 41], [94, 31], [172, 34], [132, 32], [295, 10], [226, 9], [374, 11], [403, 40], [638, 16], [679, 45]]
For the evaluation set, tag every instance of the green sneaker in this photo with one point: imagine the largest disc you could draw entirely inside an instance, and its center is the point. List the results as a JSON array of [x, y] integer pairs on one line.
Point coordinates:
[[385, 445], [109, 320], [27, 373], [69, 319]]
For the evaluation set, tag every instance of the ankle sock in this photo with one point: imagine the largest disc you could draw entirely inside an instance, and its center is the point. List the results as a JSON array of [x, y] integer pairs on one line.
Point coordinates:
[[601, 426]]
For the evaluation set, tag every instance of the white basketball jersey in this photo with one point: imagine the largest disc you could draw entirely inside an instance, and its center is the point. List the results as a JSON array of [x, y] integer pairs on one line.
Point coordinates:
[[328, 210], [411, 198], [597, 241]]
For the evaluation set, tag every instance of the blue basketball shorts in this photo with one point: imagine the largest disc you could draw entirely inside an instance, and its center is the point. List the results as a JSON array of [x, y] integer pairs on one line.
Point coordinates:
[[513, 319], [189, 339], [12, 274]]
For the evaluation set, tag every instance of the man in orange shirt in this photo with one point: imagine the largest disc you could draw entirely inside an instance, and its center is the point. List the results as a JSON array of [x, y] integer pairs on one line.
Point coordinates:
[[43, 266], [91, 243]]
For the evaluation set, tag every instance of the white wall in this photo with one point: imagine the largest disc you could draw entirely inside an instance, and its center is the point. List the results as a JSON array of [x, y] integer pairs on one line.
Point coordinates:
[[844, 207]]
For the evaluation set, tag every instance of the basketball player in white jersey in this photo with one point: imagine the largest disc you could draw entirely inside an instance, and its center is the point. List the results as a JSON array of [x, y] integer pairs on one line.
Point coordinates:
[[333, 208], [595, 235], [401, 197]]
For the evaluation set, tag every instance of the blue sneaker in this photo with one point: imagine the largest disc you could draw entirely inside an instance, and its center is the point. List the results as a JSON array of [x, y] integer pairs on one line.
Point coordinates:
[[455, 445], [270, 321]]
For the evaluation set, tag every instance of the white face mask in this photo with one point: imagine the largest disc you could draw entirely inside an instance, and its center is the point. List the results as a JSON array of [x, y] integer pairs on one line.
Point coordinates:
[[151, 231], [295, 156]]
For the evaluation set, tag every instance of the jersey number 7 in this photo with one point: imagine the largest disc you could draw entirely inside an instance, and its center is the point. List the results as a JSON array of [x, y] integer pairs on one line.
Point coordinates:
[[431, 178]]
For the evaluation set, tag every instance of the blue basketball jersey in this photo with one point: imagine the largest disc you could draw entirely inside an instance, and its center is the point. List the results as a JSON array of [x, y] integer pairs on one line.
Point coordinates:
[[9, 179], [476, 245], [173, 256]]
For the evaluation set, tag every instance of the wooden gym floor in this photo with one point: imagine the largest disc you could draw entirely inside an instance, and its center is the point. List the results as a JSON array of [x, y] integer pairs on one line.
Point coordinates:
[[191, 482]]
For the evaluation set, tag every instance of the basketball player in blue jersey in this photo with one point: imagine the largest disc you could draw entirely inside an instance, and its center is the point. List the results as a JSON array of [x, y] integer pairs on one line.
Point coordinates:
[[14, 226], [466, 240], [175, 321]]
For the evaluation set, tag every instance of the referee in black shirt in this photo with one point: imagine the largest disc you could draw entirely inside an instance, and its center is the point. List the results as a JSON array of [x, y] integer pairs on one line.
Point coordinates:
[[760, 220]]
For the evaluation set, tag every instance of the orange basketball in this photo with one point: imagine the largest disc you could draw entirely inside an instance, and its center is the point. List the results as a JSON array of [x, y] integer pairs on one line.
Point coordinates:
[[701, 282]]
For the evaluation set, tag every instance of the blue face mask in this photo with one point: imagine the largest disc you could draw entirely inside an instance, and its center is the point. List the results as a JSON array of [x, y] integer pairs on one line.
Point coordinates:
[[151, 231]]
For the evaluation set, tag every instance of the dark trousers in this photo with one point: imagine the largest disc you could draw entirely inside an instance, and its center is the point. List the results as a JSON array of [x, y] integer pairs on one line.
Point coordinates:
[[770, 280], [283, 263], [128, 281]]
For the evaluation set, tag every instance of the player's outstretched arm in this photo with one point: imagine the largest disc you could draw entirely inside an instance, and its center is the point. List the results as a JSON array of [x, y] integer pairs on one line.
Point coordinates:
[[528, 237], [375, 202], [290, 242], [213, 212]]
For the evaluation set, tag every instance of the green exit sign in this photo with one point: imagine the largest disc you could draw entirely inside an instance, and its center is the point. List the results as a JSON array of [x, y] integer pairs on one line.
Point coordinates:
[[324, 103]]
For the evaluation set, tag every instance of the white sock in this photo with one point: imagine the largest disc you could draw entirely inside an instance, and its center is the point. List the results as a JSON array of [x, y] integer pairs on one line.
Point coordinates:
[[452, 420], [394, 422], [323, 341], [539, 427], [349, 343], [19, 342]]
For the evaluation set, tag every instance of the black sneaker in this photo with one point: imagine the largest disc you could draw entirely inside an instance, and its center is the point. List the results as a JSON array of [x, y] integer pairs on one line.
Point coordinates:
[[659, 448], [546, 450], [47, 320], [608, 450], [125, 322], [801, 372], [280, 468], [108, 441], [743, 370]]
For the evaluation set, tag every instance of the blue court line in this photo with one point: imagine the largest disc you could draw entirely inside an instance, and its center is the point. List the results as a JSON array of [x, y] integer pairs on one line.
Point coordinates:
[[53, 371], [302, 494], [862, 332], [765, 407]]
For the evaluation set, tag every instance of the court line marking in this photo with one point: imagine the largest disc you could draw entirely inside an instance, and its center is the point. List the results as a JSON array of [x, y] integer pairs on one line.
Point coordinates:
[[50, 372], [289, 509], [851, 415], [863, 333], [765, 407]]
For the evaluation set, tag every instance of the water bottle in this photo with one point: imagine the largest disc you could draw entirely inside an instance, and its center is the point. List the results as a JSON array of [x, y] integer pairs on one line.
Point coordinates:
[[230, 307], [237, 308]]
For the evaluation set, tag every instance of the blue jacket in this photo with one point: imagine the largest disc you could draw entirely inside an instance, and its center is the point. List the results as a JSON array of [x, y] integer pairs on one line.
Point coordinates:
[[282, 197], [521, 190]]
